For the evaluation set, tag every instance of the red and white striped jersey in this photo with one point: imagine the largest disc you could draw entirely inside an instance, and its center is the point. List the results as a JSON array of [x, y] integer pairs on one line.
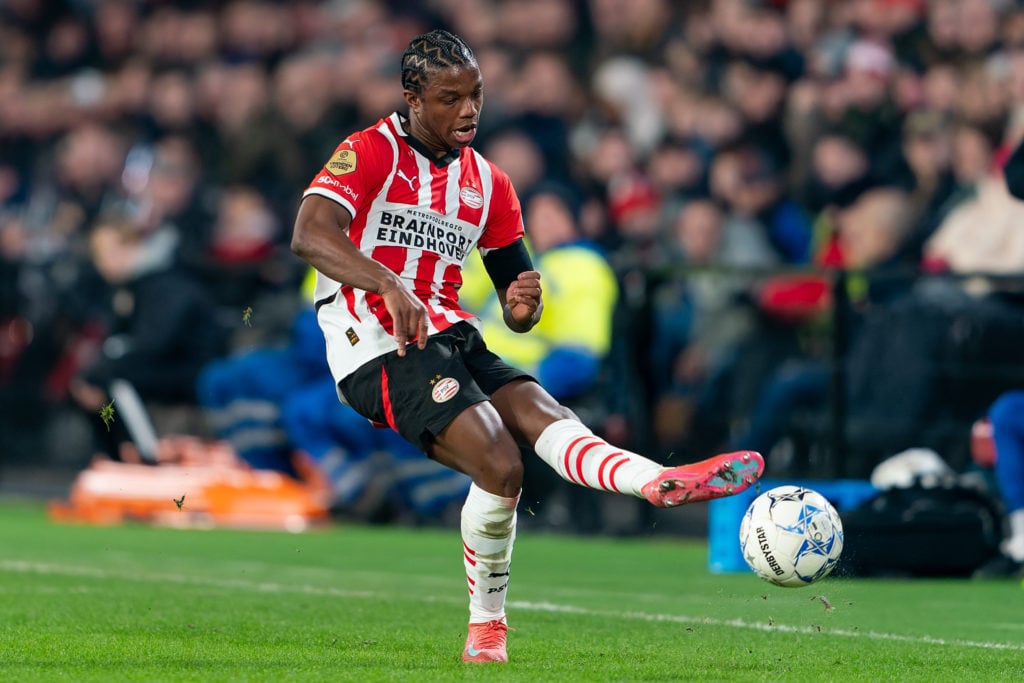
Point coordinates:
[[418, 217]]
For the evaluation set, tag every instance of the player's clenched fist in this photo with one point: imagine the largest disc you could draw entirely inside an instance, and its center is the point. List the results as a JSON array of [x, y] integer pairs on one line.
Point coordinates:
[[523, 303]]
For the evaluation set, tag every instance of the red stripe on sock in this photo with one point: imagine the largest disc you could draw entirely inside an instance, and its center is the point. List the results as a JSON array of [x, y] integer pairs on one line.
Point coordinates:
[[601, 468], [385, 397], [568, 455], [579, 461], [468, 554], [470, 579], [611, 474]]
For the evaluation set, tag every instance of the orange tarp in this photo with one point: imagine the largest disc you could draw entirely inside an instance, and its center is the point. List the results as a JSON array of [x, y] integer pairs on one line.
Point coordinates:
[[207, 487]]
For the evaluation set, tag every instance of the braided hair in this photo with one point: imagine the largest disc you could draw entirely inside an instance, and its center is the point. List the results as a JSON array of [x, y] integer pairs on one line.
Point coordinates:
[[438, 49]]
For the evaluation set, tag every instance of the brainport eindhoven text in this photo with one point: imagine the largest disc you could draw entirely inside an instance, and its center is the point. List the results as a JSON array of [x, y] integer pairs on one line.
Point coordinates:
[[427, 232]]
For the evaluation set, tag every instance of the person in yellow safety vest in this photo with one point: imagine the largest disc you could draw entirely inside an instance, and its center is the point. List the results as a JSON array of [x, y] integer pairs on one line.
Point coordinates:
[[566, 348]]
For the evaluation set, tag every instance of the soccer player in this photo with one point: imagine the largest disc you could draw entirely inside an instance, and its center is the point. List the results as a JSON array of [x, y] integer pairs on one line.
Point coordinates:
[[387, 224]]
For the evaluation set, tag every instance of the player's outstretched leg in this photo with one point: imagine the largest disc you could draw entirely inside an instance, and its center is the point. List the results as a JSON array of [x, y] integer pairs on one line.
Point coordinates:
[[579, 456], [488, 533]]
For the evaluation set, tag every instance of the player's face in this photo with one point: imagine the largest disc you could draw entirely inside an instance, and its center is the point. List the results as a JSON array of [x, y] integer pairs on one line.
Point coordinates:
[[448, 111]]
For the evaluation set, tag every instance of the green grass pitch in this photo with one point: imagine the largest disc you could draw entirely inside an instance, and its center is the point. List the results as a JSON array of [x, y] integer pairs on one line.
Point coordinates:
[[351, 603]]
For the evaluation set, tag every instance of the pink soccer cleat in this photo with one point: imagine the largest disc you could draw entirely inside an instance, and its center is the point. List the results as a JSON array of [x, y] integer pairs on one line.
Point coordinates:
[[716, 477], [486, 642]]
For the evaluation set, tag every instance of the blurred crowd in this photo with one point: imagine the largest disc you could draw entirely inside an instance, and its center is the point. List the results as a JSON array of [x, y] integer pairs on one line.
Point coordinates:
[[728, 158]]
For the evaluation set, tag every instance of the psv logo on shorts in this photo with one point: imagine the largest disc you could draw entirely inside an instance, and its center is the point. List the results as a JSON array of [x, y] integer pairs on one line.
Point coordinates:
[[444, 389]]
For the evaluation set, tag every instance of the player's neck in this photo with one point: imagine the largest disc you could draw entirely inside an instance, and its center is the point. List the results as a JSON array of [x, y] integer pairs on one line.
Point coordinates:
[[417, 142]]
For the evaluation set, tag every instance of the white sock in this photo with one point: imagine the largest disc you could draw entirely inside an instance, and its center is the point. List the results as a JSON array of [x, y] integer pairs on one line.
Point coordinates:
[[1013, 546], [488, 532], [588, 460]]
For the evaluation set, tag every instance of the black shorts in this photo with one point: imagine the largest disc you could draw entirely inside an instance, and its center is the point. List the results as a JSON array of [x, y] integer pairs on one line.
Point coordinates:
[[420, 394]]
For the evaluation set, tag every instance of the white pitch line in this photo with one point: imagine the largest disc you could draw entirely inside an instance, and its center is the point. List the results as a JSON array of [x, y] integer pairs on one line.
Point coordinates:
[[756, 626], [27, 567], [258, 586]]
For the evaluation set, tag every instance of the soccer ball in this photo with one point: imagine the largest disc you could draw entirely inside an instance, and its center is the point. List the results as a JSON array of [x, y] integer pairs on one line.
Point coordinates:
[[791, 536]]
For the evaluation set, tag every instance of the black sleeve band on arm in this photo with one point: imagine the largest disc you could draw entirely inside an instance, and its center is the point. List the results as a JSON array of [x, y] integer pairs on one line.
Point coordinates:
[[505, 264]]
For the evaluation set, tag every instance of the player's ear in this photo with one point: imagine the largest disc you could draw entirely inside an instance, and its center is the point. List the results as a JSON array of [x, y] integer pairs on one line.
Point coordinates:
[[413, 99]]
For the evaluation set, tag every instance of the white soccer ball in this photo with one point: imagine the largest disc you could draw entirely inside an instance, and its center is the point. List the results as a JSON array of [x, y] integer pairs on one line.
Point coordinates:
[[791, 536]]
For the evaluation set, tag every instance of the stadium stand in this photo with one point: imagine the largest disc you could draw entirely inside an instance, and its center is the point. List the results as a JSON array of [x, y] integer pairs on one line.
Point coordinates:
[[723, 154]]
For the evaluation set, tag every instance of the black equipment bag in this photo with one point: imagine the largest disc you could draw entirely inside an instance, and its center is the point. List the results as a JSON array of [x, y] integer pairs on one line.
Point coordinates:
[[936, 531]]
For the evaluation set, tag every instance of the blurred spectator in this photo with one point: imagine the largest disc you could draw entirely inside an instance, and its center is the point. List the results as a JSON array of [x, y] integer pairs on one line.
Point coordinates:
[[927, 150], [245, 134], [165, 183], [839, 173], [160, 328], [114, 23], [624, 87], [172, 108], [637, 27], [249, 269], [981, 235], [634, 210], [854, 99], [973, 156], [519, 155], [678, 169], [547, 98], [245, 230], [531, 25], [307, 119], [67, 47], [874, 228], [700, 318], [717, 123], [749, 185], [870, 232], [978, 25], [758, 91], [86, 178], [254, 30]]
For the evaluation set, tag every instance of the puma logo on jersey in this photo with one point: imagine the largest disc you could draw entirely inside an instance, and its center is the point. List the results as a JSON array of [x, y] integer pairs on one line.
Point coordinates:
[[401, 174]]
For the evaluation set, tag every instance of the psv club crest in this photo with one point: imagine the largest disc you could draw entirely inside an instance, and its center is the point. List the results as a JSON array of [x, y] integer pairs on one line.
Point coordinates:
[[444, 388], [471, 197]]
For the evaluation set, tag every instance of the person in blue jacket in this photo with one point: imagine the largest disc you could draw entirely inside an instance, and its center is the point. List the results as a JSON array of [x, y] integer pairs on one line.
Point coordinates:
[[275, 404]]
